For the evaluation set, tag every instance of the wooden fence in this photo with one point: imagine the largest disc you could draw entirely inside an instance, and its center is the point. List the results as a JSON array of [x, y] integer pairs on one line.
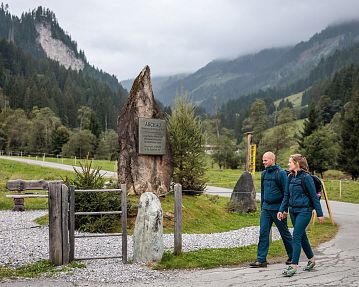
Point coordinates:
[[62, 213], [72, 215]]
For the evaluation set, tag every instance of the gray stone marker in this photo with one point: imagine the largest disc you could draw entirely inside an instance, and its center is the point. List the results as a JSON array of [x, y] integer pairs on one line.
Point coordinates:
[[148, 234], [243, 198]]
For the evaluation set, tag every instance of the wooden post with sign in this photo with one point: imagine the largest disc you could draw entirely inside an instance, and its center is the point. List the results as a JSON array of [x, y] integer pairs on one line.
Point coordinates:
[[249, 140], [314, 216], [253, 158]]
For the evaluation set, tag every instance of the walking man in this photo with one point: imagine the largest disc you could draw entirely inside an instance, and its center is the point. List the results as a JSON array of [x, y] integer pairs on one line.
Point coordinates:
[[274, 182]]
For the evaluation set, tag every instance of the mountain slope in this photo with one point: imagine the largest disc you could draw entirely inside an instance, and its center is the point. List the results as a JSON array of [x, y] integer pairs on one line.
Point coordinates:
[[38, 33], [220, 81], [41, 66]]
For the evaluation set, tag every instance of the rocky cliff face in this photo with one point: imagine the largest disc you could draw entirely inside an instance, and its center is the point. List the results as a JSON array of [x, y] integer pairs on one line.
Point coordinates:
[[56, 50]]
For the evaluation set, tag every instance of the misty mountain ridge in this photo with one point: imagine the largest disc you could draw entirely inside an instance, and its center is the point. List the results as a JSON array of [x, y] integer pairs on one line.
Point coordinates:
[[38, 33], [158, 82], [222, 80], [40, 66]]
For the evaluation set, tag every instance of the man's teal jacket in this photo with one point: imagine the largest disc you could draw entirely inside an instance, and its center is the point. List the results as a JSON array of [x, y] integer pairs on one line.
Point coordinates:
[[272, 192]]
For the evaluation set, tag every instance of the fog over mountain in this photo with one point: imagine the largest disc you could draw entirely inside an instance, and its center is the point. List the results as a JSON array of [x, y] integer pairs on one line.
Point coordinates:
[[172, 37]]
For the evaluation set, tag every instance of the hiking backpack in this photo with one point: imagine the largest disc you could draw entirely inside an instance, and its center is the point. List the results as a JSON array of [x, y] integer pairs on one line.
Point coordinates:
[[318, 185]]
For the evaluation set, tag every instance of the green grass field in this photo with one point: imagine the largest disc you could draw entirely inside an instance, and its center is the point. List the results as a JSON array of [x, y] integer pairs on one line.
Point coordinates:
[[14, 170], [295, 99]]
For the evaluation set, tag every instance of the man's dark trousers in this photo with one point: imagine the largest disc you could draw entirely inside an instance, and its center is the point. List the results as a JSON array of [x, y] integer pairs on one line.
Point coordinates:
[[266, 220]]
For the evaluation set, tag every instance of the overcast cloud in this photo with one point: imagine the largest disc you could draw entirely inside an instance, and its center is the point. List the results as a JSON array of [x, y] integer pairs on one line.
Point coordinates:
[[176, 36]]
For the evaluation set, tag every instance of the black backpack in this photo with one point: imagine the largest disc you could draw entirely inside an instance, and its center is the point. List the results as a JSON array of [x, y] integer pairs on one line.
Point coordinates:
[[318, 185]]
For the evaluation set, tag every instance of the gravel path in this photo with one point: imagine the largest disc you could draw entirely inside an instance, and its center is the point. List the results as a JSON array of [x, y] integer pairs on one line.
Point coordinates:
[[22, 241]]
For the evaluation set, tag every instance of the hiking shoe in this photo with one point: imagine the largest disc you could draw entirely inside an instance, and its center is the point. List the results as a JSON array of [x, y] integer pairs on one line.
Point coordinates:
[[288, 262], [257, 264], [310, 266], [289, 272]]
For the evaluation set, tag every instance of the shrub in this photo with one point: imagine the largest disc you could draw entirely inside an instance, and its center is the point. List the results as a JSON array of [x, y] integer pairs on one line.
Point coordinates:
[[91, 178]]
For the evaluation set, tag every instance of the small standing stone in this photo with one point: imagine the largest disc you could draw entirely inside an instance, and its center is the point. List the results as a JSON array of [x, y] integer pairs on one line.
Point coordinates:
[[243, 198], [148, 243]]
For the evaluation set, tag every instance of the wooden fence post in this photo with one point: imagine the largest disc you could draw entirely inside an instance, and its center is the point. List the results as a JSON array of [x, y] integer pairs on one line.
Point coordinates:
[[178, 220], [55, 224], [72, 224], [65, 223], [124, 222], [58, 224]]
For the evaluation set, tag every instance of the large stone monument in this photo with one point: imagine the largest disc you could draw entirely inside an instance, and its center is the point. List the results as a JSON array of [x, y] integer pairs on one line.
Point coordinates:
[[148, 233], [243, 198], [145, 161]]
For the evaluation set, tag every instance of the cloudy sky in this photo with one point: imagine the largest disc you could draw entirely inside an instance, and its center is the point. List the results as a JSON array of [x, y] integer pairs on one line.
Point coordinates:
[[176, 36]]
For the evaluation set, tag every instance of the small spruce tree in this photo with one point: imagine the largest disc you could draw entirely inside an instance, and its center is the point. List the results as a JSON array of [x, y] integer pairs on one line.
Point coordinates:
[[187, 140]]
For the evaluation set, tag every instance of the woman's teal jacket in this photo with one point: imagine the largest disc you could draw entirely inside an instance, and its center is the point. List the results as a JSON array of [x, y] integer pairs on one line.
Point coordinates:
[[297, 199]]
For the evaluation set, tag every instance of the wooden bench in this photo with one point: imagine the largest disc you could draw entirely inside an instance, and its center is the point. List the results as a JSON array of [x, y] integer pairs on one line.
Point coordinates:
[[19, 199], [20, 185]]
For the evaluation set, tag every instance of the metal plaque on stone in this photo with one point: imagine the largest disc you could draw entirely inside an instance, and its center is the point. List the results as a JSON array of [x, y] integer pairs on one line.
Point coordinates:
[[152, 136]]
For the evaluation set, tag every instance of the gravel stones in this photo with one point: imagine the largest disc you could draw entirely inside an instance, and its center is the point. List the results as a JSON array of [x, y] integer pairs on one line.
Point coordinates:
[[22, 242]]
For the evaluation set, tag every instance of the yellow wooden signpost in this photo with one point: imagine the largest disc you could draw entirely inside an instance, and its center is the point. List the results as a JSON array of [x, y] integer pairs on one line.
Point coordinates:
[[253, 158], [327, 204]]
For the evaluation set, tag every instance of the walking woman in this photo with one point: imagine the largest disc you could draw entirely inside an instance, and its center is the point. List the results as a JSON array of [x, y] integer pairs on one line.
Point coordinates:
[[301, 203]]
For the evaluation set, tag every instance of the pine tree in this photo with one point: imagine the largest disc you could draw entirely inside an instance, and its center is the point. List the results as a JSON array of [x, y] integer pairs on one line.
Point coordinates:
[[257, 121], [310, 125], [320, 150], [187, 140], [349, 154]]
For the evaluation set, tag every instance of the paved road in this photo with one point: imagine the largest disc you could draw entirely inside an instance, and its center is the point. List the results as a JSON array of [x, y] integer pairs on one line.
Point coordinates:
[[337, 264], [108, 174]]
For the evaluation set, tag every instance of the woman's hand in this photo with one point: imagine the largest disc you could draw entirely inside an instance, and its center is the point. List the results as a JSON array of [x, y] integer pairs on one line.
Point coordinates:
[[279, 215], [285, 214], [321, 219]]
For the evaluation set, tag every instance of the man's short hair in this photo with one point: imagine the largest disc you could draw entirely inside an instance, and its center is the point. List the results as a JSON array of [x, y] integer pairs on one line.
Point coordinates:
[[269, 154]]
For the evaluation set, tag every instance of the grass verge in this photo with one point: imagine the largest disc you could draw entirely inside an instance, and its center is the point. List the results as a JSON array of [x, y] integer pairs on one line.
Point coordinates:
[[211, 258], [36, 269]]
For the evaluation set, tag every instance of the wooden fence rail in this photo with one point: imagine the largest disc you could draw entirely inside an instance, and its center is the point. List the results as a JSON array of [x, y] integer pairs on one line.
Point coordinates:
[[72, 215]]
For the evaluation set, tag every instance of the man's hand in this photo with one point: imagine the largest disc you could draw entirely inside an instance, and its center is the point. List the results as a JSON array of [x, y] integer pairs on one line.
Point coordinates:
[[285, 214], [279, 215], [321, 219]]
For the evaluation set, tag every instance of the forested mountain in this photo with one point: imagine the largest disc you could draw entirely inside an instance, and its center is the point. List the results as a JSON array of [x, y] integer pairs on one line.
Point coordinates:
[[41, 66], [221, 80], [26, 82], [316, 84]]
